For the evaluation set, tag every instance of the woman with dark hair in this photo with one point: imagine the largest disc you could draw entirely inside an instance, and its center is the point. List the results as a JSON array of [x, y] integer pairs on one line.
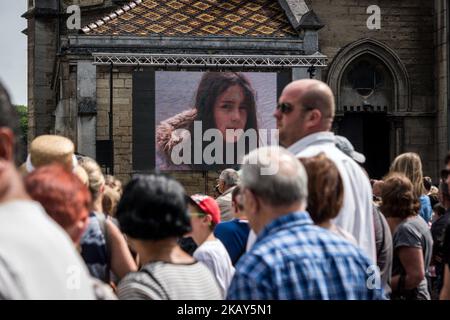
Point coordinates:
[[224, 101], [153, 213], [412, 239]]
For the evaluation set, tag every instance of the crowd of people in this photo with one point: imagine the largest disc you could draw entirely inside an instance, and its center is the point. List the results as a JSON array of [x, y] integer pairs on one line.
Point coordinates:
[[316, 228]]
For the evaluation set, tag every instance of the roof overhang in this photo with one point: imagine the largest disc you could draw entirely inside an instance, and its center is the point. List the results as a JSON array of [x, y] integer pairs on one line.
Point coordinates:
[[300, 16], [216, 44]]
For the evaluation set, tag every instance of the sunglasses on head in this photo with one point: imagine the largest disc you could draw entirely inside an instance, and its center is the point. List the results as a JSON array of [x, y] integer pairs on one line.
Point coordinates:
[[285, 107], [197, 214]]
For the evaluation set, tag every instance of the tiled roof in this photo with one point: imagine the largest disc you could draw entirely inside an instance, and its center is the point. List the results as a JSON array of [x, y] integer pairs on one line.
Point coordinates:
[[251, 18]]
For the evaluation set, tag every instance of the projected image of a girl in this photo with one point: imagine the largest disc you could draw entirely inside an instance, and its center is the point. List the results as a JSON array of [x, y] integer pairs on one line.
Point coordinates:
[[224, 101]]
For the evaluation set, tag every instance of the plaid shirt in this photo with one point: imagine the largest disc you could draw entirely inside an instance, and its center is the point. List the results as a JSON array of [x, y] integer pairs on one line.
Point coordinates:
[[294, 259]]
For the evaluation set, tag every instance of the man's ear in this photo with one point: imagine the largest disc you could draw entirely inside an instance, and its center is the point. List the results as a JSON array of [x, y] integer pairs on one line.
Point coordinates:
[[6, 144], [315, 117], [250, 202], [207, 219]]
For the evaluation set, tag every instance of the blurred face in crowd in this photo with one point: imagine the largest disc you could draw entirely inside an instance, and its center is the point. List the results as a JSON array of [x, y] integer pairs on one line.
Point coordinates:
[[230, 111]]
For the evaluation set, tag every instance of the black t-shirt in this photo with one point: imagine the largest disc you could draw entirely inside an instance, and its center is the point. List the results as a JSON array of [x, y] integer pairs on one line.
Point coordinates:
[[446, 246]]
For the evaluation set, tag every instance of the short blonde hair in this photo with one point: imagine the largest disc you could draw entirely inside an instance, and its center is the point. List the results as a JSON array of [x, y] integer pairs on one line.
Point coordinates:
[[96, 178], [410, 165]]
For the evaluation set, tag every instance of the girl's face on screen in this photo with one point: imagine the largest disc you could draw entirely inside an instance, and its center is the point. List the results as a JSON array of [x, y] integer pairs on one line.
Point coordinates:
[[230, 112]]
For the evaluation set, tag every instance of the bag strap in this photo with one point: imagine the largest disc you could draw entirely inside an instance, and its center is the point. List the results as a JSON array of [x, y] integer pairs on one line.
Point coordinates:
[[152, 276], [377, 214]]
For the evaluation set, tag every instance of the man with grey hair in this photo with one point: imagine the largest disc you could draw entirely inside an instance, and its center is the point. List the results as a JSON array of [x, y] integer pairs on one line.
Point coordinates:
[[293, 258], [304, 117], [227, 181]]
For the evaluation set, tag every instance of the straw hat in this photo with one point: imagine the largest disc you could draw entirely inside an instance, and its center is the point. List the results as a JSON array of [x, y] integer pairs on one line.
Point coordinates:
[[47, 149]]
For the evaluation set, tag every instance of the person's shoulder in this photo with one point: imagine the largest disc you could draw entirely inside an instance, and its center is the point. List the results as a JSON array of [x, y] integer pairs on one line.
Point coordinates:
[[223, 198], [425, 201], [227, 226], [255, 263], [26, 210], [209, 247], [415, 226], [135, 285], [204, 251], [285, 240]]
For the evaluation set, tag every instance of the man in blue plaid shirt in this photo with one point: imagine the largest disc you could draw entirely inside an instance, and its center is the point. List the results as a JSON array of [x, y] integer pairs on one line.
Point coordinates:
[[292, 258]]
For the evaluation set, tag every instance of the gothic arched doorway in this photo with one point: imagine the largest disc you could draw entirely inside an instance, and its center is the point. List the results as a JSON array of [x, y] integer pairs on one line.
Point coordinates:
[[366, 93], [371, 87]]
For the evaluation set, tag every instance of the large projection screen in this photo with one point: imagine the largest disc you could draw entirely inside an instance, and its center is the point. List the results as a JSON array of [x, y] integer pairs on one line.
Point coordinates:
[[169, 105], [222, 94]]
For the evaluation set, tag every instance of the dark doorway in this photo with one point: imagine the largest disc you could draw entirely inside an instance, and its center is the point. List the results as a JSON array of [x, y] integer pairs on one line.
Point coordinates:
[[369, 134]]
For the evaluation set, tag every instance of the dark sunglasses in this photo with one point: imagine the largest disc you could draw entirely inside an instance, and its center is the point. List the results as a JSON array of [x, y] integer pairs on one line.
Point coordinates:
[[285, 107]]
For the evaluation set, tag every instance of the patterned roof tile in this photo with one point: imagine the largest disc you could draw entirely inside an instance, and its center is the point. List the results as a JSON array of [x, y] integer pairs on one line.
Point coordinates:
[[250, 18]]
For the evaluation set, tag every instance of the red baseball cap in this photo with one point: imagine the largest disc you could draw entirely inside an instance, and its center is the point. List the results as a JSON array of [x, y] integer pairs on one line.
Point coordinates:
[[208, 205]]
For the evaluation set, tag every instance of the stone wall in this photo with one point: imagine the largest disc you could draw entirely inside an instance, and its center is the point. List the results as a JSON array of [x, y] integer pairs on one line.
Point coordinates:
[[442, 77], [122, 119], [41, 57]]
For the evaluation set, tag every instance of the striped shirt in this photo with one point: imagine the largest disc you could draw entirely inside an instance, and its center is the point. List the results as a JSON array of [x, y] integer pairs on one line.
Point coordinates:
[[168, 281]]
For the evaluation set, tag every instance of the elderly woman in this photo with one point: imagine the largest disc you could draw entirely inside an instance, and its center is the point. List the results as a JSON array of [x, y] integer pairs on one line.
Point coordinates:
[[153, 213], [412, 239]]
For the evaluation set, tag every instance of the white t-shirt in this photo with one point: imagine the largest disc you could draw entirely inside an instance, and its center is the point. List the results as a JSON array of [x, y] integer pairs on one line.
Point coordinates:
[[37, 258], [215, 256], [251, 240]]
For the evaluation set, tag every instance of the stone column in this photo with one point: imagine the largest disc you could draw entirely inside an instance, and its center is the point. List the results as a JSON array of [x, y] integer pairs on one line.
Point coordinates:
[[87, 108]]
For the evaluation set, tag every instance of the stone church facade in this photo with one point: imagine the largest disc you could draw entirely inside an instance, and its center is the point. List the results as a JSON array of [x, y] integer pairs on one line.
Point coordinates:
[[391, 85]]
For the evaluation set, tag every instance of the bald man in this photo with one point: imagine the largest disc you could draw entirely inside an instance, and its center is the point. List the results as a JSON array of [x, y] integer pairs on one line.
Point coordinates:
[[304, 117]]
